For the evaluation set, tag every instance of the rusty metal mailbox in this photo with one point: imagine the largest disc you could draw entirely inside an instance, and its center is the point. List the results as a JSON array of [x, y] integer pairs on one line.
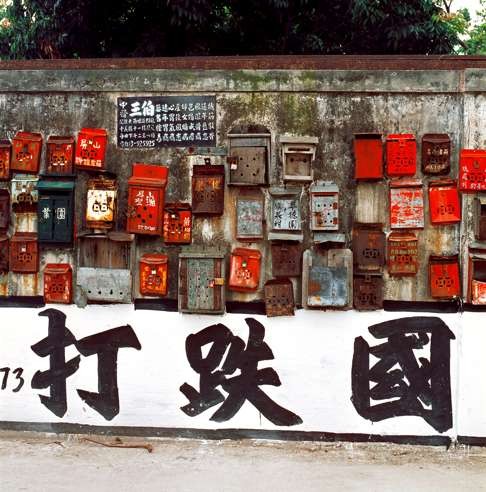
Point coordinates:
[[208, 189], [146, 197], [24, 196], [4, 209], [24, 256], [4, 253], [279, 298], [444, 277], [58, 283], [60, 155], [91, 149], [248, 158], [285, 214], [177, 223], [298, 155], [201, 283], [26, 151], [472, 170], [402, 254], [5, 156], [368, 156], [401, 155], [55, 211], [406, 204], [477, 277], [436, 153], [368, 247], [480, 218], [153, 274], [444, 202], [245, 266], [249, 216], [368, 291], [101, 203], [105, 285], [324, 205], [286, 259]]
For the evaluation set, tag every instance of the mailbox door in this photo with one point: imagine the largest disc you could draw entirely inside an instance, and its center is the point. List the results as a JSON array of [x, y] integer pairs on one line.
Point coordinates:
[[26, 152], [248, 165], [244, 270], [100, 208], [45, 222], [368, 292], [4, 254], [5, 154], [153, 275], [63, 226], [298, 166], [436, 153], [324, 212], [144, 206], [402, 254], [444, 277], [472, 170], [60, 157], [178, 224], [368, 155], [4, 209], [286, 259], [406, 207], [106, 284], [208, 190], [24, 253], [279, 298], [481, 218], [444, 203], [401, 155], [58, 283], [368, 248], [328, 287], [249, 218], [91, 149]]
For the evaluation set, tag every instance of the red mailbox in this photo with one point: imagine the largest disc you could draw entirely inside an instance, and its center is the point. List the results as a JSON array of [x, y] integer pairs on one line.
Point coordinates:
[[91, 149], [24, 256], [472, 170], [477, 277], [444, 202], [5, 156], [402, 254], [401, 155], [444, 277], [60, 155], [153, 274], [177, 223], [244, 269], [4, 253], [146, 195], [26, 152], [368, 155], [406, 204], [58, 283]]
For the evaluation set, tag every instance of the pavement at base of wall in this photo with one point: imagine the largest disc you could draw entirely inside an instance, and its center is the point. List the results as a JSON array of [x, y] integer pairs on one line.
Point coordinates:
[[48, 462]]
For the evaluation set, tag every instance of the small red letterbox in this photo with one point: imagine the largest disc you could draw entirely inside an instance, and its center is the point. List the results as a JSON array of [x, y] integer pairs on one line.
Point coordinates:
[[368, 156], [153, 274], [26, 152], [177, 223], [4, 254], [244, 269], [402, 254], [59, 155], [401, 155], [24, 256], [91, 149], [444, 277], [146, 195], [5, 156], [444, 202], [58, 283], [472, 170], [406, 204]]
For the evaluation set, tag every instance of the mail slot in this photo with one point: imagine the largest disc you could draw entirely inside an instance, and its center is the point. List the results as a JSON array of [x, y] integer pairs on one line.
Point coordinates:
[[279, 298], [444, 277], [4, 209], [324, 203], [244, 269], [146, 197], [249, 216], [436, 153], [401, 155], [5, 156], [153, 274], [91, 149], [26, 152], [472, 170], [286, 259], [368, 247], [477, 278], [4, 253], [444, 202], [298, 156], [285, 214], [402, 254], [480, 218], [368, 156], [208, 189], [101, 203], [60, 155], [248, 158], [406, 204], [58, 283], [55, 211], [24, 196], [24, 257], [201, 283], [177, 223], [368, 291]]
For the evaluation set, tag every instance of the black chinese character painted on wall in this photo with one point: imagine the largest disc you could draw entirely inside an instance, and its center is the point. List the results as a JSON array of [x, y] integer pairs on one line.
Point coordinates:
[[391, 373], [215, 372]]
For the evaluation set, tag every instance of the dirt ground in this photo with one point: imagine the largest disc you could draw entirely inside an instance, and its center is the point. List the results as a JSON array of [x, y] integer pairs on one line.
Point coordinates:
[[41, 462]]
